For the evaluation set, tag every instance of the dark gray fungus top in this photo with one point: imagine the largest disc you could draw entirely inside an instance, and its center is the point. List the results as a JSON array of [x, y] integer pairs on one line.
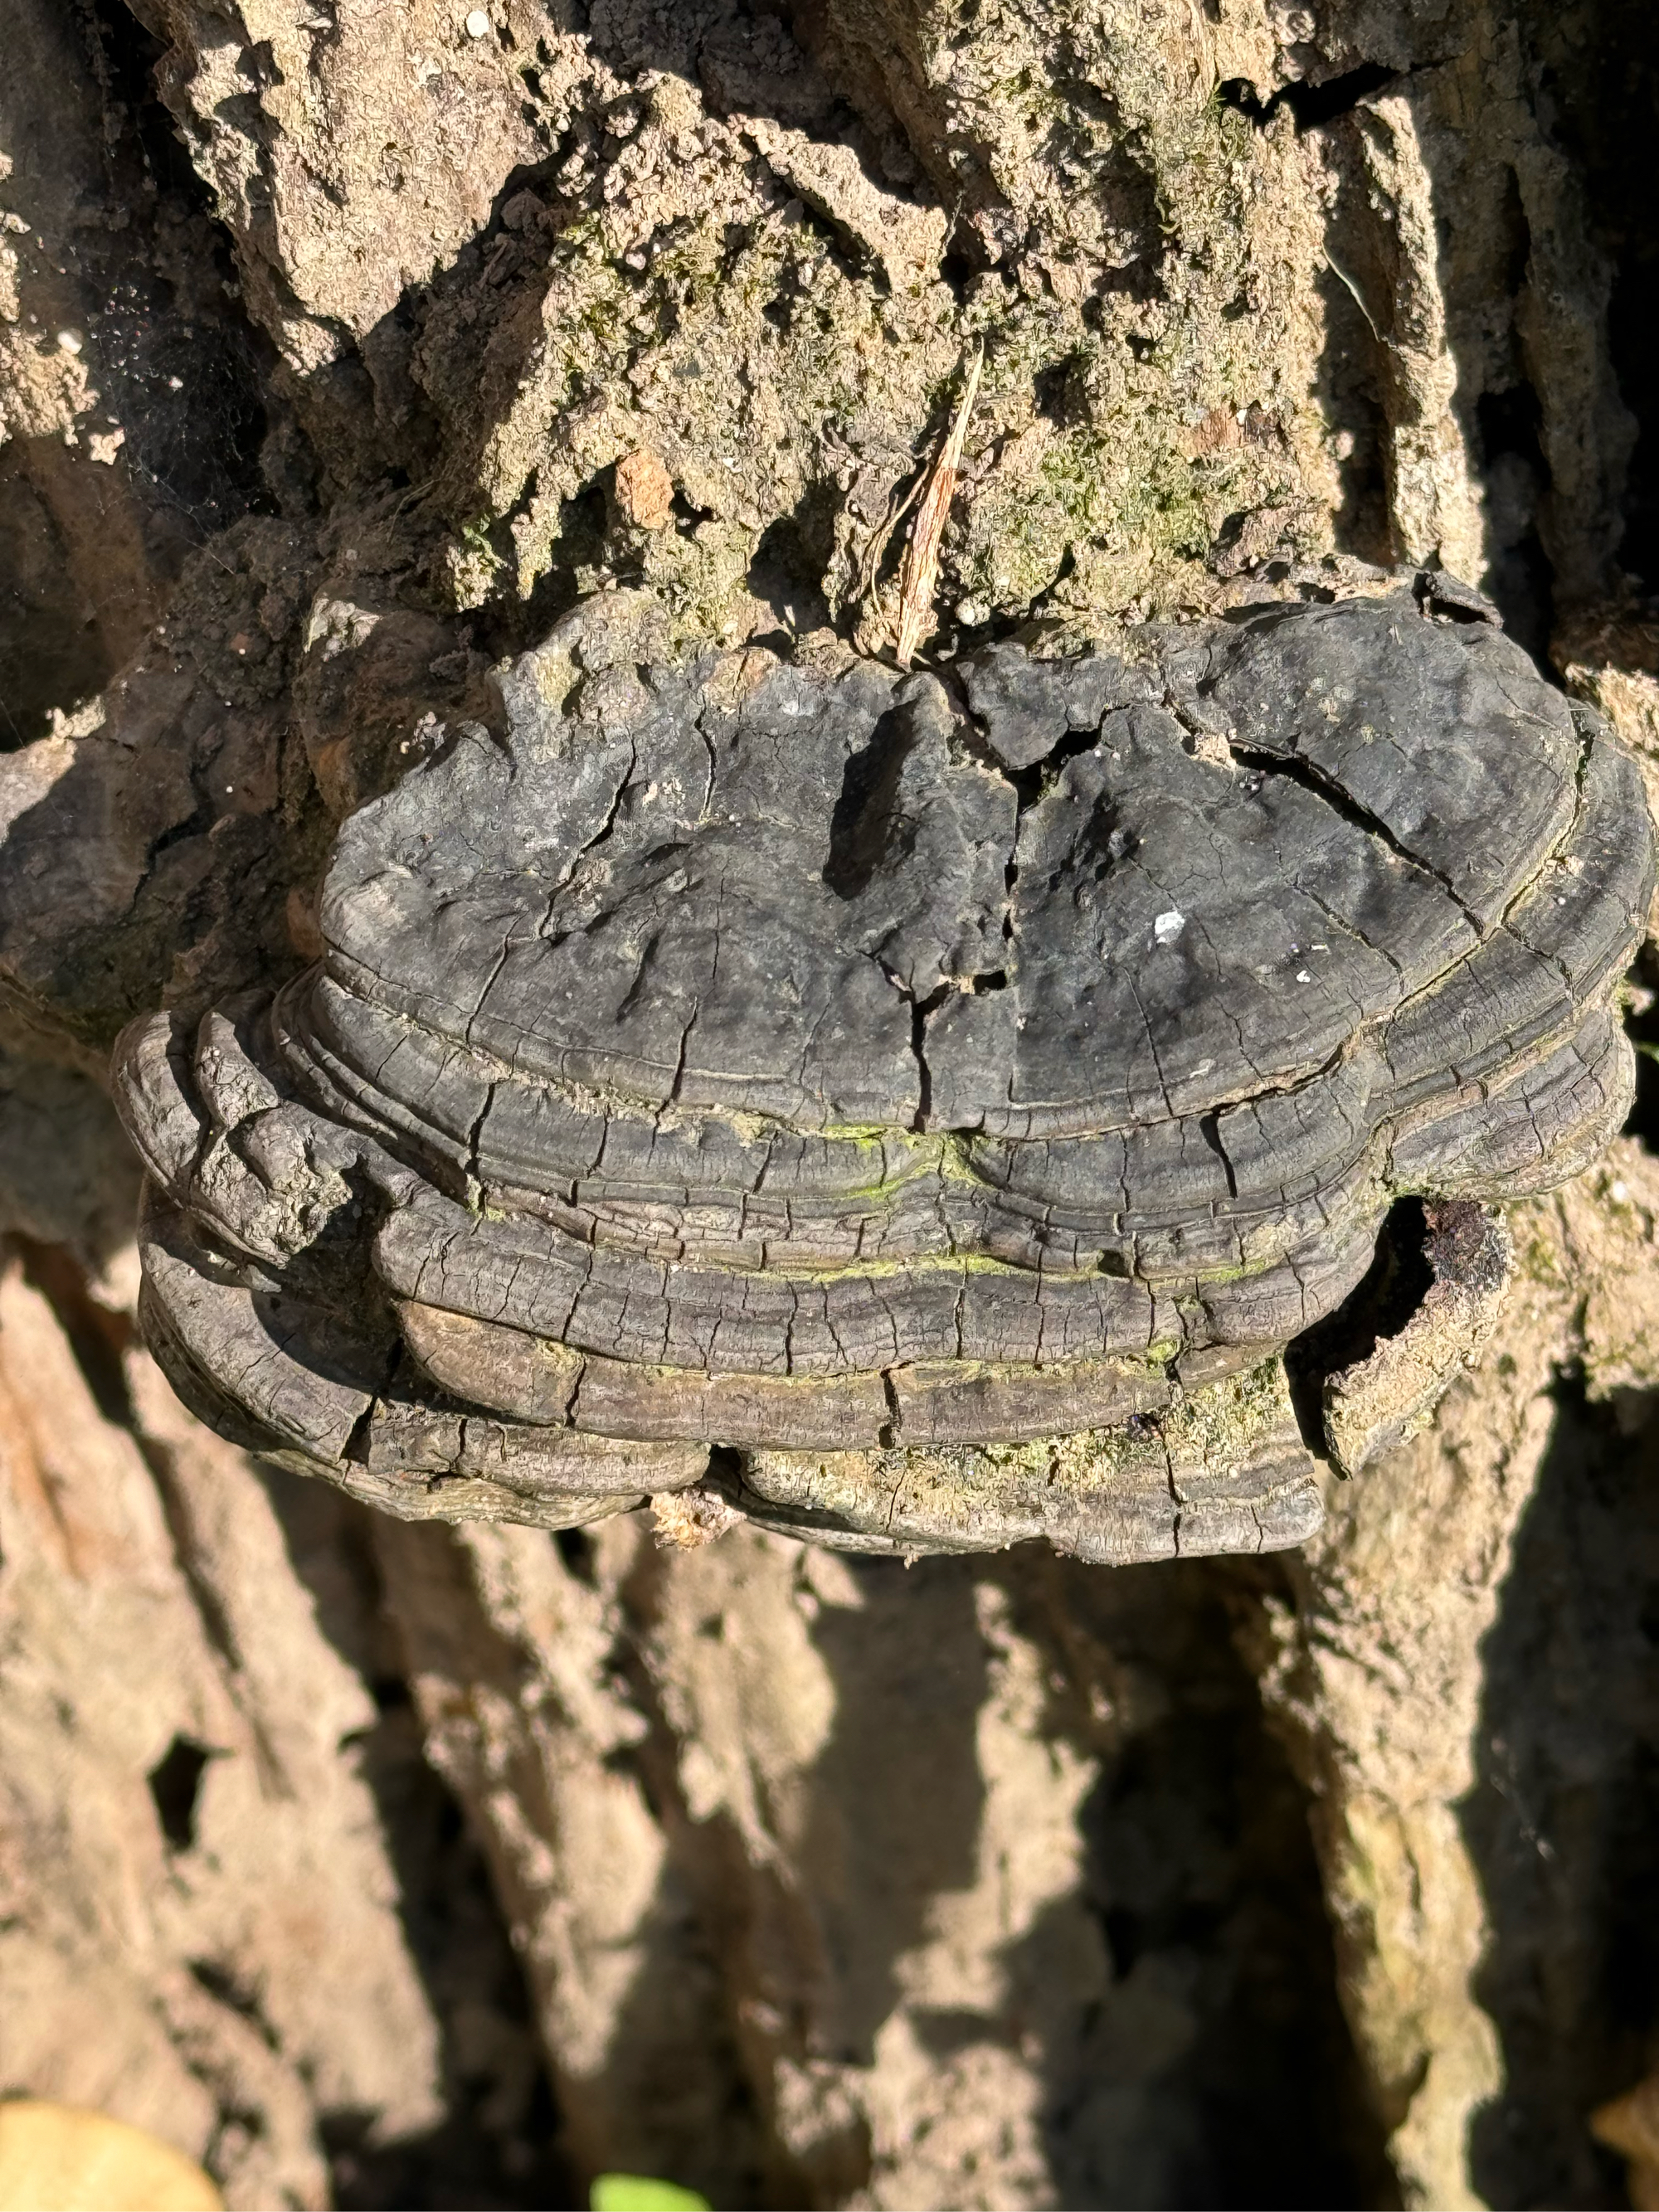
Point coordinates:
[[740, 1054]]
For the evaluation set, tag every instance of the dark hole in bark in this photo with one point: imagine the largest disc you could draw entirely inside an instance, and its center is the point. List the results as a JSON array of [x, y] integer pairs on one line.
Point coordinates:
[[961, 264], [576, 1550], [1056, 393], [176, 1785], [1378, 1307], [1642, 1020], [1310, 104]]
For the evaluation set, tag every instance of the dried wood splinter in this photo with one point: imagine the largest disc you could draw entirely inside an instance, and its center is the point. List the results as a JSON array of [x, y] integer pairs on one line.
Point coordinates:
[[919, 578]]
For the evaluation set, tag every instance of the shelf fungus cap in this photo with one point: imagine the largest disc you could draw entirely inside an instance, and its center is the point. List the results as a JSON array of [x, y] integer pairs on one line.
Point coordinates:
[[912, 1112]]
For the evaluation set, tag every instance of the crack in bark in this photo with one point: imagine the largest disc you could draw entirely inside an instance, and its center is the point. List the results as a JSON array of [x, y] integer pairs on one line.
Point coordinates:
[[1297, 768], [1210, 1128], [891, 1430]]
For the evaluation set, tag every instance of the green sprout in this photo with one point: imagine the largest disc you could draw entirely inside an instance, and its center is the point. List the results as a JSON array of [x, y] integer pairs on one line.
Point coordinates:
[[638, 2192]]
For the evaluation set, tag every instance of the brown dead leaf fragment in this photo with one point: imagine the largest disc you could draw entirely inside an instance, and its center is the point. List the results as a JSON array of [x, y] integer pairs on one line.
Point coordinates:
[[920, 576]]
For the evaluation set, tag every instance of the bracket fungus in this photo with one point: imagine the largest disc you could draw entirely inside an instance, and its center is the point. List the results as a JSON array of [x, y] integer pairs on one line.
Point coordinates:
[[911, 1112]]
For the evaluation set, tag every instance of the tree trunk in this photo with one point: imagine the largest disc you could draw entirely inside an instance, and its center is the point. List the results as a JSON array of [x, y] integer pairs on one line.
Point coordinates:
[[342, 348]]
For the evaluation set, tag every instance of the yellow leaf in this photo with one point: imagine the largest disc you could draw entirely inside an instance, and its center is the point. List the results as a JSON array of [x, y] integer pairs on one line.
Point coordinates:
[[54, 2158]]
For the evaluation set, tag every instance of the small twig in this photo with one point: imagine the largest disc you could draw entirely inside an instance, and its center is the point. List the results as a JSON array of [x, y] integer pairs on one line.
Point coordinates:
[[920, 576]]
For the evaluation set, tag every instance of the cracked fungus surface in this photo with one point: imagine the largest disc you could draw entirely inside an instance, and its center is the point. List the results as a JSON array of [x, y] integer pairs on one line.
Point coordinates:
[[946, 1095]]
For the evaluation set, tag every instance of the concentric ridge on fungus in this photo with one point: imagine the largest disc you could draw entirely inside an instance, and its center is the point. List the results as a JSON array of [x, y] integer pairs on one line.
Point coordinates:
[[948, 1095]]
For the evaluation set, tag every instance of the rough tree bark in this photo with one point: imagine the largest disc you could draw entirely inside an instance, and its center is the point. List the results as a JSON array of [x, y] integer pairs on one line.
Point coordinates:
[[341, 348]]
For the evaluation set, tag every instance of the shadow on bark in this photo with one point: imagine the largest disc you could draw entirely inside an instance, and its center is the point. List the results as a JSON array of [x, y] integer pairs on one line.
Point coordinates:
[[89, 555], [1563, 1822], [494, 2148], [1217, 2069], [1597, 72], [898, 1794]]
